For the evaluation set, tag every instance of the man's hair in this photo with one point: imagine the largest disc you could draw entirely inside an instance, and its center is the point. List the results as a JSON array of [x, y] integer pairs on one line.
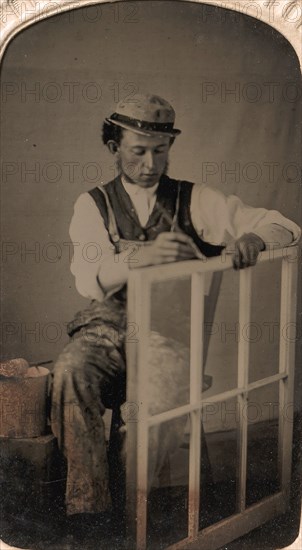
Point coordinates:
[[115, 133], [112, 132]]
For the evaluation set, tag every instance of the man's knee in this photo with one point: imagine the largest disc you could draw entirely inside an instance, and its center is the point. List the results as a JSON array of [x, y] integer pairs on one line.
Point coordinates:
[[84, 368], [70, 364]]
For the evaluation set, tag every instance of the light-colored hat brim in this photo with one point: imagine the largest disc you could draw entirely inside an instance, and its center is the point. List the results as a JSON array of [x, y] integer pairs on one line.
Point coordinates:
[[173, 133]]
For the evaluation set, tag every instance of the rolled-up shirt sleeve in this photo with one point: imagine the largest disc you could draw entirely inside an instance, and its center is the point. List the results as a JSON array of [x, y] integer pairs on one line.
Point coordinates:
[[91, 245], [219, 219]]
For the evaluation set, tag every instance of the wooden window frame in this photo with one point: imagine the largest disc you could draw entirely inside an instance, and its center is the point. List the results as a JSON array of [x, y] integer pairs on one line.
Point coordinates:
[[139, 312]]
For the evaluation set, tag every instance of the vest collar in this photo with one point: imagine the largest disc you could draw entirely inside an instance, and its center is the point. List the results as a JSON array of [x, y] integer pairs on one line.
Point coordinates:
[[165, 191], [134, 189]]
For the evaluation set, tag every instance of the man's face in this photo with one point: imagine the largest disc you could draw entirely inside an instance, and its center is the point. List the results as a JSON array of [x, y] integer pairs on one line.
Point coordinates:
[[143, 159]]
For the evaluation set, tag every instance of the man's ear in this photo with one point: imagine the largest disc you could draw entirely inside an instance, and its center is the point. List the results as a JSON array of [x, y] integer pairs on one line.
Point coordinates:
[[112, 146]]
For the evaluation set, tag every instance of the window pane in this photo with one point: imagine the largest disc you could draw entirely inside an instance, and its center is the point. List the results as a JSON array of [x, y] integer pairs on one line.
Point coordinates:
[[262, 412], [168, 481], [221, 333], [219, 451], [263, 330], [170, 309], [169, 348]]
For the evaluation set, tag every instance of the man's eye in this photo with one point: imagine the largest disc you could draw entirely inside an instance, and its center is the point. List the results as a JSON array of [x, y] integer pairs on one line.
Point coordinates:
[[139, 152]]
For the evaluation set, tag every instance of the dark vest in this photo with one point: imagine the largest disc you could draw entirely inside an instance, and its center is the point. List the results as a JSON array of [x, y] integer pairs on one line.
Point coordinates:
[[127, 221], [128, 225]]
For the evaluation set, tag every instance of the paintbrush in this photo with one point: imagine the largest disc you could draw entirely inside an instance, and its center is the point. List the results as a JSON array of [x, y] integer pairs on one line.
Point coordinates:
[[176, 229]]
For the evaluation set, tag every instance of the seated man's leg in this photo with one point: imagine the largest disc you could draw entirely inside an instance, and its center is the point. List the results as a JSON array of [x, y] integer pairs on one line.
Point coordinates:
[[88, 377]]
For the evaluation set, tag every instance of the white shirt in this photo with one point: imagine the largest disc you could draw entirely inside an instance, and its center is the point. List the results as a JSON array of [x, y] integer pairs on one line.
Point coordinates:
[[217, 219], [142, 199]]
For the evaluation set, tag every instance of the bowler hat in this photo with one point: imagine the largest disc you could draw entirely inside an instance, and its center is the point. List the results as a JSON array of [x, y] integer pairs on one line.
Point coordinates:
[[145, 114]]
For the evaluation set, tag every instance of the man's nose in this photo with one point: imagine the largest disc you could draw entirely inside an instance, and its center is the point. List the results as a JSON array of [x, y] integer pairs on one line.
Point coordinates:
[[149, 160]]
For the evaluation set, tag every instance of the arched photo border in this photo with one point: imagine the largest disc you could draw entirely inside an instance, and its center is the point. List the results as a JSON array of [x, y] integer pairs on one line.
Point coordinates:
[[283, 15]]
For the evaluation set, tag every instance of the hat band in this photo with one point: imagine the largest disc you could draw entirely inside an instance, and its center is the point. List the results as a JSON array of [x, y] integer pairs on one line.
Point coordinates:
[[142, 124]]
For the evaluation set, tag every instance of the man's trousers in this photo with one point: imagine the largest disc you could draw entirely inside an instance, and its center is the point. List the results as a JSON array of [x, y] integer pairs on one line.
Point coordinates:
[[90, 376]]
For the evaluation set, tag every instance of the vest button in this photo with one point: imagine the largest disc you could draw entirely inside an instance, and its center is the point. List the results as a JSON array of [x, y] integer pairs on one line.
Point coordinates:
[[142, 237]]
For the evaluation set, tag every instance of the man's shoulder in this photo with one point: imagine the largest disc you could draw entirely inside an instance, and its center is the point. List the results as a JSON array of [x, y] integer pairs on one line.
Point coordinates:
[[102, 186], [194, 189], [89, 200], [83, 200], [97, 194], [208, 190], [197, 186]]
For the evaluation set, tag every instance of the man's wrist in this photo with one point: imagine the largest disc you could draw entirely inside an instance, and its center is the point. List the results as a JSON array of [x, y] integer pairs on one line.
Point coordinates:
[[141, 257], [258, 241]]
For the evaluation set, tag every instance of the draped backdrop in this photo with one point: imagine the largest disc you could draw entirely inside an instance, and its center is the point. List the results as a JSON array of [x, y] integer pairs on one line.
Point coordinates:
[[235, 85]]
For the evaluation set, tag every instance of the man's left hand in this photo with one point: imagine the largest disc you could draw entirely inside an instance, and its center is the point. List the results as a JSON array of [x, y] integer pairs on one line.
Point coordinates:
[[247, 249]]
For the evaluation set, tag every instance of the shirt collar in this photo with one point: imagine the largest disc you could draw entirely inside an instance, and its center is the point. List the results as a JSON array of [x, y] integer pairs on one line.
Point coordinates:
[[133, 189]]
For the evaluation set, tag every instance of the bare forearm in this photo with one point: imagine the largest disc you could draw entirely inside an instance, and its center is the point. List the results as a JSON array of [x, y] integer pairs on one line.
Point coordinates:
[[114, 269], [167, 247]]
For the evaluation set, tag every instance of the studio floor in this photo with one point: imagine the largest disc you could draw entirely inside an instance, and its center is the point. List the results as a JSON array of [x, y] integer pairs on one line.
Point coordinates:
[[42, 529]]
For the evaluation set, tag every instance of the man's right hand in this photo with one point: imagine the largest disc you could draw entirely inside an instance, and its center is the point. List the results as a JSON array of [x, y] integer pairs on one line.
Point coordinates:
[[167, 247]]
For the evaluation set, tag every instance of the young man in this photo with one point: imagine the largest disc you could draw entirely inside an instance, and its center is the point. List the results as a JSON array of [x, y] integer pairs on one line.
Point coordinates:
[[141, 218]]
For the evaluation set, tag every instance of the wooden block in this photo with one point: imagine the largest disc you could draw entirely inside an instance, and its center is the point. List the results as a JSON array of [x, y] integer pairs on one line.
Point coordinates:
[[37, 457], [32, 476]]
